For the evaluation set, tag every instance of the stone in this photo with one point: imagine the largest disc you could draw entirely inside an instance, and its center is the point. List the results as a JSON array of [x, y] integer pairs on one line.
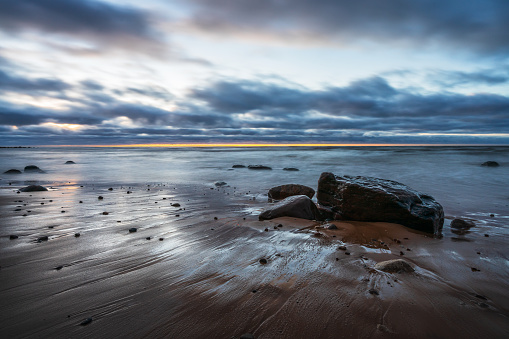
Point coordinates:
[[43, 238], [373, 199], [332, 227], [490, 164], [285, 191], [12, 171], [86, 322], [70, 162], [297, 206], [238, 166], [220, 183], [175, 204], [394, 266], [12, 237], [77, 235], [100, 197], [247, 336], [259, 167], [33, 168], [462, 224], [263, 261], [290, 169], [33, 188], [133, 229]]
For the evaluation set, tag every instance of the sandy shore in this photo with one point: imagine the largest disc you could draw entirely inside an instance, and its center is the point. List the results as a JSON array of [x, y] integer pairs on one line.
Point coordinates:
[[198, 277]]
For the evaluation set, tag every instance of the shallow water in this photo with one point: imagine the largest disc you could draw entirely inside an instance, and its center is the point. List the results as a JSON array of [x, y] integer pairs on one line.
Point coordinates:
[[452, 174]]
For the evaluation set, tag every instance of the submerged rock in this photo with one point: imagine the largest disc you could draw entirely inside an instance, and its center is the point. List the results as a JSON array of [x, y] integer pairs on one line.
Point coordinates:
[[70, 162], [394, 266], [290, 169], [33, 188], [373, 199], [297, 206], [33, 168], [462, 224], [259, 167], [490, 164], [220, 183], [238, 166], [12, 171], [285, 191]]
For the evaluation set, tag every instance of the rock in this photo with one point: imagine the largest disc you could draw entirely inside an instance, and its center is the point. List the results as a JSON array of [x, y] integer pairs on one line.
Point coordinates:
[[70, 162], [259, 167], [12, 171], [373, 291], [100, 197], [33, 188], [462, 224], [247, 336], [290, 169], [490, 164], [373, 199], [12, 237], [263, 261], [175, 204], [106, 213], [33, 168], [394, 266], [332, 227], [220, 183], [133, 229], [297, 206], [43, 238], [77, 235], [86, 322], [285, 191], [238, 166]]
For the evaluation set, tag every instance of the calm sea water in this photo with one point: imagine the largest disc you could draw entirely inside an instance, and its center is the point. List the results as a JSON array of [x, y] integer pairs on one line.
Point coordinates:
[[453, 175]]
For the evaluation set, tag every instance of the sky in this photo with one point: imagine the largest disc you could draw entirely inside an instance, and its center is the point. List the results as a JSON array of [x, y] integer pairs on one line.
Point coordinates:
[[111, 72]]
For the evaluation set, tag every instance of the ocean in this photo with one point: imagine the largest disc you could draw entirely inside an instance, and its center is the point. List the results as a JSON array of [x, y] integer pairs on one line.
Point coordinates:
[[453, 175]]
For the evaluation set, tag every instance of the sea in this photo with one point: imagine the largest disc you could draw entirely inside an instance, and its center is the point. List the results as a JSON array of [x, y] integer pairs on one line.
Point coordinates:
[[453, 175]]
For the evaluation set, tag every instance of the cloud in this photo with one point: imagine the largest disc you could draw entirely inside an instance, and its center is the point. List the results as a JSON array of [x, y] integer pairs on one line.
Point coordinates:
[[10, 82], [101, 23], [481, 26]]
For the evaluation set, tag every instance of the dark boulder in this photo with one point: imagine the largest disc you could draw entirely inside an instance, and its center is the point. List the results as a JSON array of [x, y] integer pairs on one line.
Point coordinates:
[[33, 169], [33, 188], [285, 191], [462, 224], [372, 199], [238, 166], [297, 206], [220, 183], [490, 164], [290, 169], [259, 167], [70, 162], [12, 171], [394, 266]]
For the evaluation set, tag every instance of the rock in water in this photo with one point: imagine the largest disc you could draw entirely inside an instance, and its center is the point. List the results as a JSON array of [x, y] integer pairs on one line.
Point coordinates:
[[490, 164], [220, 183], [33, 188], [33, 168], [70, 162], [462, 224], [297, 206], [372, 199], [238, 166], [285, 191], [394, 266], [259, 167], [12, 171], [290, 169]]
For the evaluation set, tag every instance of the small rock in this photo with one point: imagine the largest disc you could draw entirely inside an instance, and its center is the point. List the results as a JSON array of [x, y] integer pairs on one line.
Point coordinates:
[[220, 183], [33, 188], [12, 237], [105, 213], [475, 269], [266, 229], [161, 239], [247, 336], [347, 253], [148, 238], [490, 164], [492, 215], [77, 235], [263, 261], [58, 268], [70, 162], [175, 204], [133, 229], [290, 169], [373, 291], [462, 224], [81, 202], [110, 189], [342, 248], [43, 238], [100, 197], [486, 235], [332, 227], [394, 266], [86, 322], [215, 218], [259, 167], [238, 166]]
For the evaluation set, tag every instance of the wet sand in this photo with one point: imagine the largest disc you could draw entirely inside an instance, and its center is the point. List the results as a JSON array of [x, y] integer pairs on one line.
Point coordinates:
[[204, 278]]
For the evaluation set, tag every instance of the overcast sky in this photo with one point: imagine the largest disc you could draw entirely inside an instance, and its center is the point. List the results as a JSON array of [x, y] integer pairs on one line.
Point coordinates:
[[271, 71]]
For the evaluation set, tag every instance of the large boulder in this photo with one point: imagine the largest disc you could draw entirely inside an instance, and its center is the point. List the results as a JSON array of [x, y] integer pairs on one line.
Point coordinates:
[[297, 206], [373, 199], [33, 168], [285, 191], [33, 188], [12, 171]]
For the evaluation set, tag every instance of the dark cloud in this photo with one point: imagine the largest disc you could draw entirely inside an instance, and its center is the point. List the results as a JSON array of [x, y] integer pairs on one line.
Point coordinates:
[[10, 82], [478, 25], [100, 22], [482, 77]]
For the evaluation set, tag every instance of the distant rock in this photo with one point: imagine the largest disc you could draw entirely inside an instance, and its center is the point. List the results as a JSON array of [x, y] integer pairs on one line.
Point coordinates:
[[373, 199], [13, 237], [133, 229], [285, 191], [331, 227], [33, 188], [238, 166], [297, 206], [290, 169], [490, 164], [33, 169], [259, 167], [43, 238], [70, 162], [220, 183], [394, 266], [12, 171], [462, 224]]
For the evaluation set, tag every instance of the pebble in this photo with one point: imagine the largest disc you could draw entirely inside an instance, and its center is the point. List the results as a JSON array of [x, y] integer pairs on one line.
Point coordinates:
[[161, 239], [148, 238], [105, 213], [266, 229], [132, 229], [77, 235], [110, 189], [263, 261], [44, 238], [176, 204], [81, 202], [100, 197]]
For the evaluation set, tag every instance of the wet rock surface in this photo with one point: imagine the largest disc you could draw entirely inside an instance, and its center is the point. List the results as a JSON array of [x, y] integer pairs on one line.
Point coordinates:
[[297, 206], [285, 191], [372, 199]]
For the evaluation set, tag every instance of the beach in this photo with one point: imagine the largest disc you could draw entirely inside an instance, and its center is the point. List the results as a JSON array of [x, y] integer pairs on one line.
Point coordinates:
[[192, 267]]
